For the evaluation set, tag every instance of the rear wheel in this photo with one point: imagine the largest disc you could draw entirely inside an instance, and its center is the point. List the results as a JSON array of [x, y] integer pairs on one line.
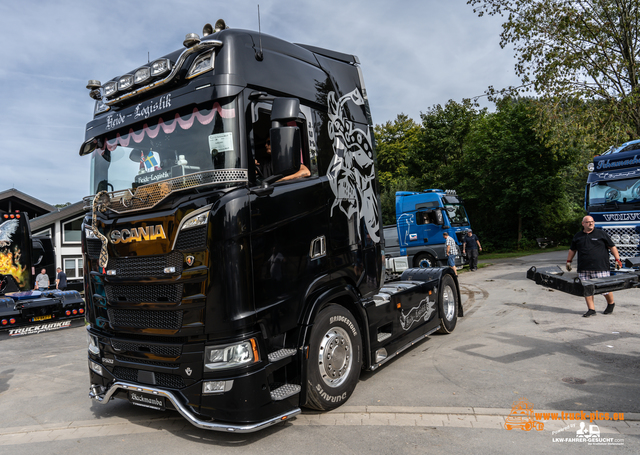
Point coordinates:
[[424, 260], [335, 358], [448, 305]]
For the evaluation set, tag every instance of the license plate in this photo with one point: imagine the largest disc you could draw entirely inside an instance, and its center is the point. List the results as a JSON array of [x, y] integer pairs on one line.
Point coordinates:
[[147, 400], [41, 318]]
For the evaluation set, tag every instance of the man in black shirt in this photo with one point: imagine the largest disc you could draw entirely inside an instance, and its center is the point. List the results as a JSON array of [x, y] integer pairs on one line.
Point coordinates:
[[61, 280], [471, 244], [593, 247]]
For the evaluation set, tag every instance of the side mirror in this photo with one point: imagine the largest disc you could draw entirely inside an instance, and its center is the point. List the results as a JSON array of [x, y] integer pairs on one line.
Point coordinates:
[[90, 145], [439, 217], [285, 150]]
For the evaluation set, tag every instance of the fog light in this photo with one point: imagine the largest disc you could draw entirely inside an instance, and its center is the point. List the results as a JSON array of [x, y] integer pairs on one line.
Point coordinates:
[[125, 82], [216, 386], [68, 313], [5, 322], [81, 310], [110, 88], [111, 272], [75, 312], [169, 270], [12, 321], [95, 368], [142, 75]]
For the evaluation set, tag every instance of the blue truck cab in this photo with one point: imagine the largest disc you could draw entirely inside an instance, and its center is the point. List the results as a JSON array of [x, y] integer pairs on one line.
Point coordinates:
[[612, 197], [421, 220]]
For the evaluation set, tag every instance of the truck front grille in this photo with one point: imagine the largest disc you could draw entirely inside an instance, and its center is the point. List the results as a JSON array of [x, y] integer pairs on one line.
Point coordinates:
[[146, 266], [139, 293], [145, 319], [121, 358], [627, 240], [127, 346], [192, 239], [171, 381], [93, 248]]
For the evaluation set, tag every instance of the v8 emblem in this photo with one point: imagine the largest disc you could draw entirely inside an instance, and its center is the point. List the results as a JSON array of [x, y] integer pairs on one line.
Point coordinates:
[[188, 371]]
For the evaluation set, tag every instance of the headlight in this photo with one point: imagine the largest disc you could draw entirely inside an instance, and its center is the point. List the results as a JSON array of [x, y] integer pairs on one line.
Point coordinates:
[[198, 220], [95, 368], [230, 356], [92, 341], [201, 65], [88, 233]]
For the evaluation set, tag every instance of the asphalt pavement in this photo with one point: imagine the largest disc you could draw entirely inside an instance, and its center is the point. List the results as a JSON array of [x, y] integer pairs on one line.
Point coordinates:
[[450, 393]]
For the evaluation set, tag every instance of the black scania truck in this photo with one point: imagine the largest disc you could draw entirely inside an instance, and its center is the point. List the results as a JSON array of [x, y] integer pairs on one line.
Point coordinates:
[[234, 255]]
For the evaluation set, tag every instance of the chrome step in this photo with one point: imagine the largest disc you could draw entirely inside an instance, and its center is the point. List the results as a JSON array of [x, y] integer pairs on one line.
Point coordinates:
[[285, 391], [281, 354], [383, 336]]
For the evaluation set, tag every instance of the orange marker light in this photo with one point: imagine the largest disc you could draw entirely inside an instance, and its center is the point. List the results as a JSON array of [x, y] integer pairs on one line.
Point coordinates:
[[254, 347]]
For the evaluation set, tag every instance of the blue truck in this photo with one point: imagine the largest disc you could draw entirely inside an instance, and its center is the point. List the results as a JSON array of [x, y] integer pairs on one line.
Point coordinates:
[[416, 240], [612, 197]]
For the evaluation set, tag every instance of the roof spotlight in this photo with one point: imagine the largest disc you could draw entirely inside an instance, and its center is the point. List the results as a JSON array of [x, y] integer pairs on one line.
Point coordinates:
[[191, 40]]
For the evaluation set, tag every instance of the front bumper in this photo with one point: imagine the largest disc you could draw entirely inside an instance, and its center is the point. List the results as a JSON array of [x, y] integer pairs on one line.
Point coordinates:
[[102, 396]]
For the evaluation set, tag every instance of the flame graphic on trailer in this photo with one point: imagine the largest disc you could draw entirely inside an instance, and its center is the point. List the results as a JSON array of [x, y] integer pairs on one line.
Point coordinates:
[[14, 257]]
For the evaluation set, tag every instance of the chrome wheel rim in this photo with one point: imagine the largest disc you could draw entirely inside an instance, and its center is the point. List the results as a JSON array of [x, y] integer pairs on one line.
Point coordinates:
[[335, 357], [448, 303]]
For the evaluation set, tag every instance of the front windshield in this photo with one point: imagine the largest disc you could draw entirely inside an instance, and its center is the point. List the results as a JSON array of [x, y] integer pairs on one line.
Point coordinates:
[[187, 141], [614, 192], [457, 214]]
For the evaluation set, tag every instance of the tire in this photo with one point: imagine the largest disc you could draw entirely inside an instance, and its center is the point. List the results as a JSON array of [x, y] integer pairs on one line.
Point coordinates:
[[448, 305], [335, 358], [424, 260]]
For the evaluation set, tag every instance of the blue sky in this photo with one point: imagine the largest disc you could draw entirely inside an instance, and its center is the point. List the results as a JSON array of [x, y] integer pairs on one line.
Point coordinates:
[[414, 54]]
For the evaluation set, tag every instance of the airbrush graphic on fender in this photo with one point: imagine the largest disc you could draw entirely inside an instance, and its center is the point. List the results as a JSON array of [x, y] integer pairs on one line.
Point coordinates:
[[423, 311]]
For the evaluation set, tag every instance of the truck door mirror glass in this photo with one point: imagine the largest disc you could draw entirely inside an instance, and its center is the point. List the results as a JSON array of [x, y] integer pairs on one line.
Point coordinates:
[[285, 150], [284, 110], [439, 217], [90, 145]]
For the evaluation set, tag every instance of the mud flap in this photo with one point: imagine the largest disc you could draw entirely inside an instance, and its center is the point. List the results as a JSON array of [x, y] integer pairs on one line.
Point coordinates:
[[555, 278]]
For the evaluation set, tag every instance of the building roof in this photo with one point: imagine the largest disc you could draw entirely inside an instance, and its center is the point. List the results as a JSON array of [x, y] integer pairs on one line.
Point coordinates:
[[56, 215], [12, 200]]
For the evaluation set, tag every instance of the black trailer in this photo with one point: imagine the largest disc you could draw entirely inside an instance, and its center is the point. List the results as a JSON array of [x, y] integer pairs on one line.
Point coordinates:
[[20, 256]]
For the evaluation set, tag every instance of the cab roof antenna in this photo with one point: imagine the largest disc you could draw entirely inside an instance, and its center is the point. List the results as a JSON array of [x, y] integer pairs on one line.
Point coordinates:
[[259, 55]]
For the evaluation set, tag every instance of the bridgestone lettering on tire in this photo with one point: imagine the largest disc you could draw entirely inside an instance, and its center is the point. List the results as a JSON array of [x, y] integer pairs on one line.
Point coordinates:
[[335, 358], [448, 305]]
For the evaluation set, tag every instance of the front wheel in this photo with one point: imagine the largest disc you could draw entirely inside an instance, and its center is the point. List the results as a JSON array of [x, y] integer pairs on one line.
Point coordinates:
[[424, 260], [448, 305], [335, 358]]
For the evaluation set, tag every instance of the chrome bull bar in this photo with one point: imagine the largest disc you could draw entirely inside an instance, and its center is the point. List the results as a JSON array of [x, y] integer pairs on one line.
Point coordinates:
[[98, 394]]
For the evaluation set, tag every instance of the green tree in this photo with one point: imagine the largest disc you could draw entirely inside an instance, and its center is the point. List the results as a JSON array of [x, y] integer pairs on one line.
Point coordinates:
[[570, 50], [515, 186], [445, 132], [395, 142]]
